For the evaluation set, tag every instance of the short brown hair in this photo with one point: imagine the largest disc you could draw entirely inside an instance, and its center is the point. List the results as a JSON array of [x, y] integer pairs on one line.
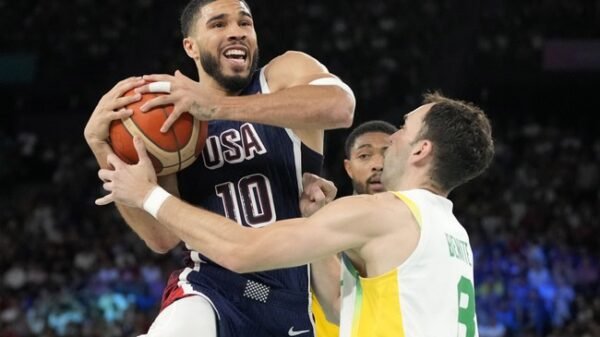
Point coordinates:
[[462, 138], [190, 14]]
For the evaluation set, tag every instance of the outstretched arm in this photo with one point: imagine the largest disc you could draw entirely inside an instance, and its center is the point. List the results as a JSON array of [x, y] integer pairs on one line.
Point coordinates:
[[286, 243]]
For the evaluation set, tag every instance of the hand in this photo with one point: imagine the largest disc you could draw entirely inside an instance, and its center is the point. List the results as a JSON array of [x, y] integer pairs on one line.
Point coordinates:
[[128, 184], [317, 192], [111, 107], [184, 93]]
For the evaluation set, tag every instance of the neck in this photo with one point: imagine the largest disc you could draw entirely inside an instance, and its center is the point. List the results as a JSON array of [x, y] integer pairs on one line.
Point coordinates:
[[434, 189], [416, 181]]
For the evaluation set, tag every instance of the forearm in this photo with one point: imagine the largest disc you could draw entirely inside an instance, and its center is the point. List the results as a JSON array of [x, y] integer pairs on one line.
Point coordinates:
[[157, 237], [300, 107], [325, 283], [235, 247], [220, 239]]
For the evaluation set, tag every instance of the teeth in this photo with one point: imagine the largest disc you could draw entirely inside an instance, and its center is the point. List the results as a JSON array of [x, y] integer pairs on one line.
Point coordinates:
[[235, 52]]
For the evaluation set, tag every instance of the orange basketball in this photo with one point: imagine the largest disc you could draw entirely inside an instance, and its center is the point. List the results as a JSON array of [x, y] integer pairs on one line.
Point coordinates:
[[171, 151]]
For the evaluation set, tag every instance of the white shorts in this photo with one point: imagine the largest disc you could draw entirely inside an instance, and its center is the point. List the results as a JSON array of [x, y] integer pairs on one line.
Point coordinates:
[[191, 316]]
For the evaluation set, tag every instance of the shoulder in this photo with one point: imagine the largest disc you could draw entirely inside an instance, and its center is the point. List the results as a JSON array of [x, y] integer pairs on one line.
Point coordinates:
[[293, 68], [370, 214], [297, 58], [386, 214], [373, 204]]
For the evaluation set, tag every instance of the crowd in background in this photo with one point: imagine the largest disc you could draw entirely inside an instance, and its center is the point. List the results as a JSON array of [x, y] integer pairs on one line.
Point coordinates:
[[70, 268]]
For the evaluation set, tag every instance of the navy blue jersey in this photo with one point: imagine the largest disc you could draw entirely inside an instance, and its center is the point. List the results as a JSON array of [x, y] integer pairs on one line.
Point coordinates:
[[251, 173]]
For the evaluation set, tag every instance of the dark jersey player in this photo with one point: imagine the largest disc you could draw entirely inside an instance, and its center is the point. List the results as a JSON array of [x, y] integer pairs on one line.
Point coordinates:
[[266, 129]]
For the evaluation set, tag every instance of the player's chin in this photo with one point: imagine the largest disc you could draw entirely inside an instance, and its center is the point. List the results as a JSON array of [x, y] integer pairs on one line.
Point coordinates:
[[235, 74]]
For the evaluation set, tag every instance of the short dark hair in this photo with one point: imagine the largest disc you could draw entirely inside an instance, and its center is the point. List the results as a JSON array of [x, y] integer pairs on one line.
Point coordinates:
[[366, 127], [190, 13], [462, 138]]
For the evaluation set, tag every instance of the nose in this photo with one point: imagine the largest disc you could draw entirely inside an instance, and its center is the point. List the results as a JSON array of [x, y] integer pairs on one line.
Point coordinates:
[[377, 163], [236, 33]]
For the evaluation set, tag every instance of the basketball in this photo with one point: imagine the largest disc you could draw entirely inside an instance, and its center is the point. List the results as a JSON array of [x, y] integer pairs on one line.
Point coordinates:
[[170, 152]]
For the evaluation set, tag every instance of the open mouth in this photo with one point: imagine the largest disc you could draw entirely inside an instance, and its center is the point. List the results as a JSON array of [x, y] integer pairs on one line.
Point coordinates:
[[375, 184], [237, 56]]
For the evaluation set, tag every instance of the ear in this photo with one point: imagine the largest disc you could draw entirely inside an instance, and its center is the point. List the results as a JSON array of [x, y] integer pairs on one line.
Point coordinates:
[[422, 151], [348, 168], [191, 49]]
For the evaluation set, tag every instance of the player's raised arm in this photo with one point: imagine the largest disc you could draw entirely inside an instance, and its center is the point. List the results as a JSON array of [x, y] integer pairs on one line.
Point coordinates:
[[304, 96]]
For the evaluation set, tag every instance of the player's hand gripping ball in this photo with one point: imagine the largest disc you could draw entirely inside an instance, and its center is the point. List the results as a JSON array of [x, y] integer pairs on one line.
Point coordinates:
[[170, 152]]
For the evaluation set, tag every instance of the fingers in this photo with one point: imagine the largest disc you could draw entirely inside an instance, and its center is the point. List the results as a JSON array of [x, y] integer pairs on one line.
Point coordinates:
[[153, 83], [329, 189], [114, 100], [105, 175], [114, 161], [127, 84], [313, 183], [123, 101], [160, 86], [317, 194], [120, 114], [307, 178], [140, 148], [157, 101], [105, 200], [169, 121]]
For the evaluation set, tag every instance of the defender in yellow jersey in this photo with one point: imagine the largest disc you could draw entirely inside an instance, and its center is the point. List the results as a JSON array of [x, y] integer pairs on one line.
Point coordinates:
[[408, 269], [364, 150]]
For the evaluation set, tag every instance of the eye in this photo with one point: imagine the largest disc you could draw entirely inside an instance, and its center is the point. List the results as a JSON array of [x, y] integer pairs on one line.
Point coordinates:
[[364, 156], [246, 23], [218, 24]]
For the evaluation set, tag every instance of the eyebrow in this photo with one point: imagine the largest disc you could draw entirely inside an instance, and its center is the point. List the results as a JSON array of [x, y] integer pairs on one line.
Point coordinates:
[[368, 145], [363, 146], [222, 16]]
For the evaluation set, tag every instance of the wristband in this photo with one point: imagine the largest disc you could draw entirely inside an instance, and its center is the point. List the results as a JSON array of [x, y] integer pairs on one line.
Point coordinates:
[[155, 200]]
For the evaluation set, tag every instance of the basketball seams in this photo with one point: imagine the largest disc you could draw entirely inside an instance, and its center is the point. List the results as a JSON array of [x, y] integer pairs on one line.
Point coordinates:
[[175, 139], [183, 143]]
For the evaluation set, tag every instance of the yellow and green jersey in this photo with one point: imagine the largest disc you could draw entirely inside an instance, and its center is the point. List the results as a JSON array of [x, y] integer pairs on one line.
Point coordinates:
[[430, 294], [323, 327]]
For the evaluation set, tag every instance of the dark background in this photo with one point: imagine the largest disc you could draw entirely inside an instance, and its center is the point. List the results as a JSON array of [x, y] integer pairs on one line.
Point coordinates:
[[70, 268]]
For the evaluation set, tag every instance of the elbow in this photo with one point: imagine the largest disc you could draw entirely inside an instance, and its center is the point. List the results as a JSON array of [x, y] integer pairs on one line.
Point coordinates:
[[161, 246], [344, 106], [347, 117]]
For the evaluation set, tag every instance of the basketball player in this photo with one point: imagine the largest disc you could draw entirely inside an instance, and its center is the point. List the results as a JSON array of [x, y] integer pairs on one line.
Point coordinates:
[[407, 261], [265, 129], [364, 149]]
